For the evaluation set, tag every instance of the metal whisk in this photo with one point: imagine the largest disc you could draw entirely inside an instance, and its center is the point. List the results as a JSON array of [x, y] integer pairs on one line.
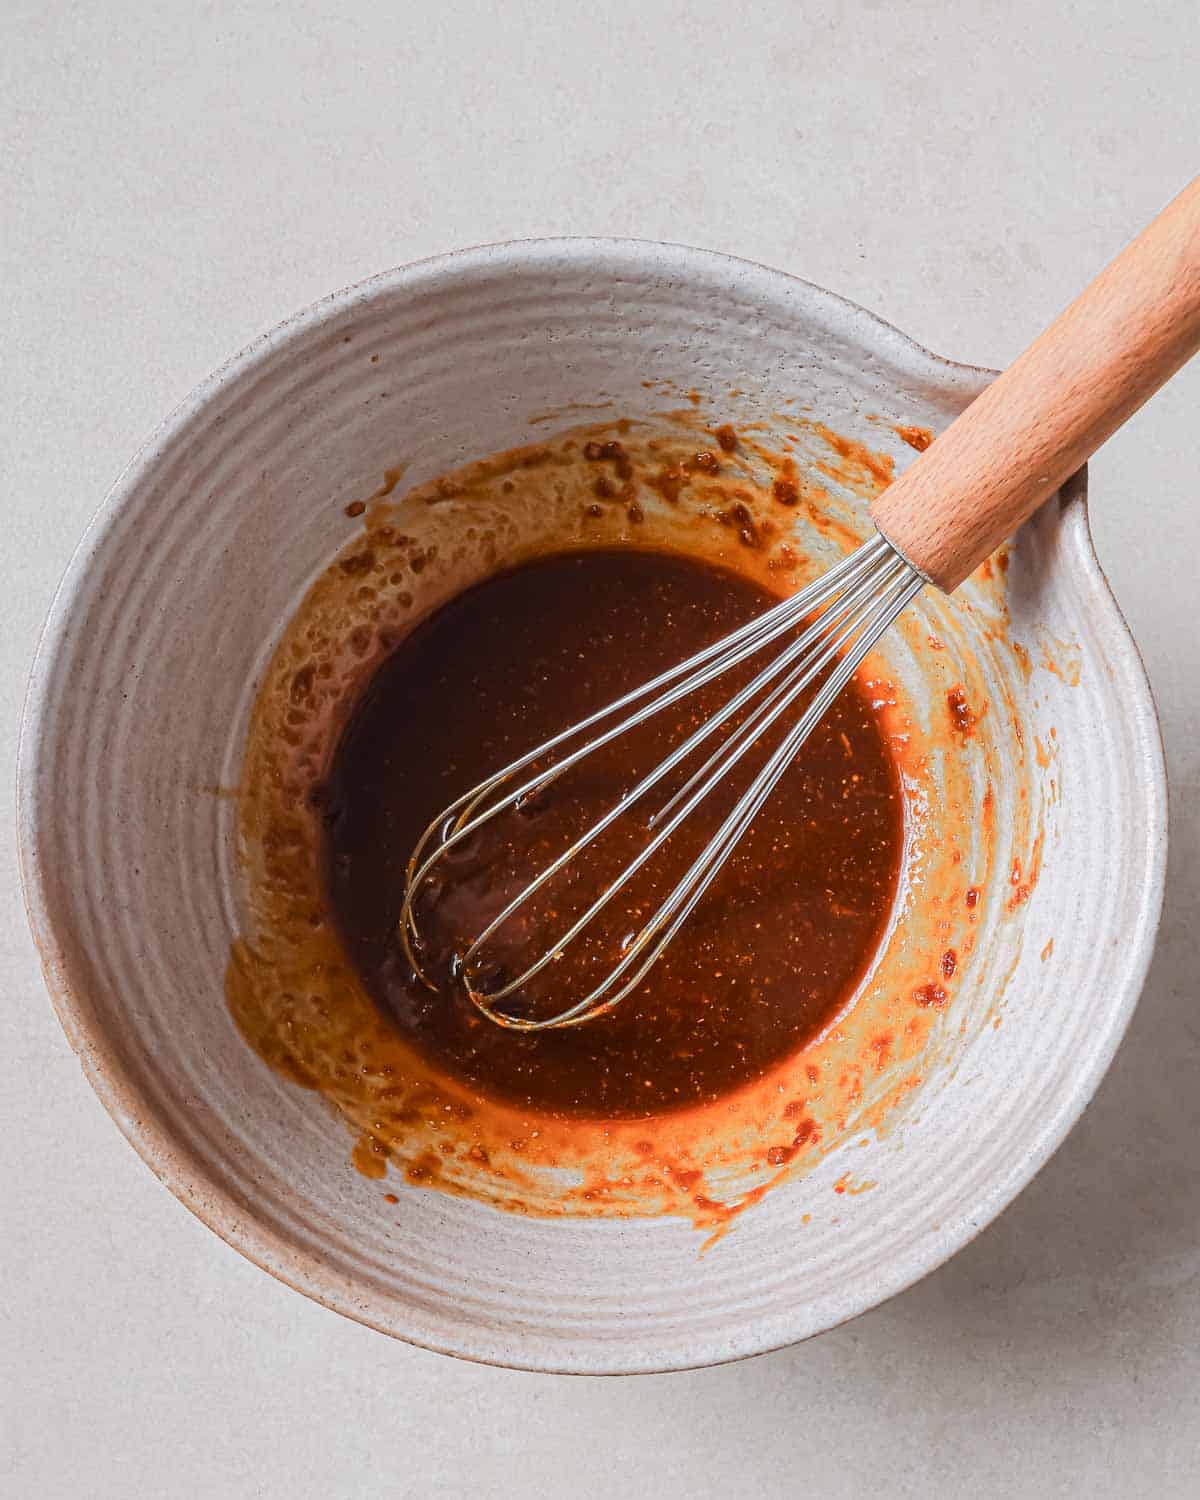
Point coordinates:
[[859, 599], [1107, 353]]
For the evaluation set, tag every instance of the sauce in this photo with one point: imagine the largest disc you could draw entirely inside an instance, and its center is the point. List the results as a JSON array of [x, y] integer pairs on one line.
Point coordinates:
[[303, 1006], [772, 953]]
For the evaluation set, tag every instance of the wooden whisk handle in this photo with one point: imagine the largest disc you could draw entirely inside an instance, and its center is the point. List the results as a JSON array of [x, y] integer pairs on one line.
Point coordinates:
[[1122, 337]]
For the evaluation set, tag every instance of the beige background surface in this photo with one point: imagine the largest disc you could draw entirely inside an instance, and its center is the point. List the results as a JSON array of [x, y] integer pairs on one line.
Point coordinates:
[[177, 178]]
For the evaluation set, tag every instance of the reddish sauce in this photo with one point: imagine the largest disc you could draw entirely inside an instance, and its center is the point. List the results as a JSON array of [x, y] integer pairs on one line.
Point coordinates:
[[930, 995], [916, 437], [962, 719], [772, 952]]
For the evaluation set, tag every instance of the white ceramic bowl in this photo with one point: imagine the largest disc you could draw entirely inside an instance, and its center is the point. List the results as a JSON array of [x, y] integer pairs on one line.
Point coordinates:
[[139, 703]]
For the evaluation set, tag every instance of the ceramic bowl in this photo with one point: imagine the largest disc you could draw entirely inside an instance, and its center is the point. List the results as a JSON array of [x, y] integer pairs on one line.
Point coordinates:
[[138, 708]]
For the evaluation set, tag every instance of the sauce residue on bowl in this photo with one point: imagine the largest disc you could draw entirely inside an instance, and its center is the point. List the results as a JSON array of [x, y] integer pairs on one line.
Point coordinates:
[[773, 508], [779, 942]]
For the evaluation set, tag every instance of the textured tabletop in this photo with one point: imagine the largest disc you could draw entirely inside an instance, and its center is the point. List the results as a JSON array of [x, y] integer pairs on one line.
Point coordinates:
[[177, 179]]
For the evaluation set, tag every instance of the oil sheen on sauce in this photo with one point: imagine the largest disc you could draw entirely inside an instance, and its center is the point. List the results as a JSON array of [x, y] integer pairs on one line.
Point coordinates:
[[772, 953]]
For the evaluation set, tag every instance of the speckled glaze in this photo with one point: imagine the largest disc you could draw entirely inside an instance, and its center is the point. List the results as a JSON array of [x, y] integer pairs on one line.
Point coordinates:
[[138, 708]]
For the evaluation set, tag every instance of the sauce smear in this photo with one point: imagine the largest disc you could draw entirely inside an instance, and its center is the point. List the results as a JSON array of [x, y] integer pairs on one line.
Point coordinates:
[[773, 951]]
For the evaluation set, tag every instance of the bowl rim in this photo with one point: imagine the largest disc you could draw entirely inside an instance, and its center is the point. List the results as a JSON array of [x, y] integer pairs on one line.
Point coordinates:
[[187, 1175]]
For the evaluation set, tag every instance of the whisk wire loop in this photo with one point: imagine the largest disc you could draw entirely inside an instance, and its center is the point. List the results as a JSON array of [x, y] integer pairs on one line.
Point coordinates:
[[847, 610]]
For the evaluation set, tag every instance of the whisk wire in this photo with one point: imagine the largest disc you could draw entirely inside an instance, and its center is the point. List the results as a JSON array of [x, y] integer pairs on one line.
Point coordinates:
[[461, 817], [652, 778], [845, 612], [896, 594], [862, 595], [692, 887], [703, 667]]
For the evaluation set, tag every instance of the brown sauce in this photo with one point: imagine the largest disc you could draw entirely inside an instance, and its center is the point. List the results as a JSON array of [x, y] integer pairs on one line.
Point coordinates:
[[771, 954]]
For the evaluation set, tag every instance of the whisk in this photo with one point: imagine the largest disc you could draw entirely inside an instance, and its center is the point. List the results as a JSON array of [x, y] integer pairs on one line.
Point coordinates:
[[1126, 334]]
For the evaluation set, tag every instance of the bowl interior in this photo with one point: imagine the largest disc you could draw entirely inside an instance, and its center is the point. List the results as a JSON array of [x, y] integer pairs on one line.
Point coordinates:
[[137, 718]]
